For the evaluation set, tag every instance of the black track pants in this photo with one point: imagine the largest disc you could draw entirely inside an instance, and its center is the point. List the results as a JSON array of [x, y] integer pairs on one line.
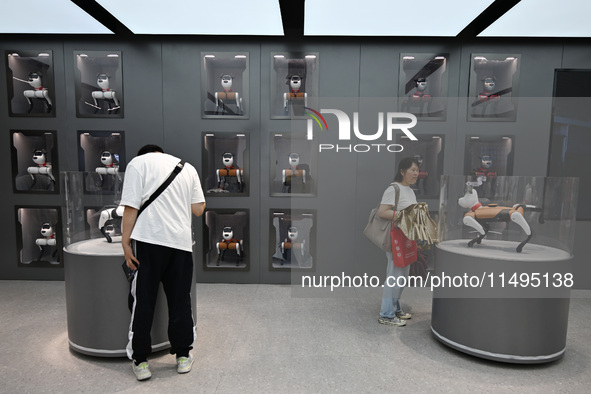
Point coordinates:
[[174, 268]]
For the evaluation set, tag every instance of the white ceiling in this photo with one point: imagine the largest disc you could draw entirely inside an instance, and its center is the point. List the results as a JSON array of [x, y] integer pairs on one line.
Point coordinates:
[[47, 17], [429, 18], [207, 17], [543, 18], [390, 17]]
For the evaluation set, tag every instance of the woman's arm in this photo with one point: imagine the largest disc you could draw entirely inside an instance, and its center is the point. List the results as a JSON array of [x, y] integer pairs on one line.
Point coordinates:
[[386, 211]]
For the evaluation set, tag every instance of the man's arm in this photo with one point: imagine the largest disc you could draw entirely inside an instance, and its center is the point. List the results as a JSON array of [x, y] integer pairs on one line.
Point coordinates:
[[127, 225], [198, 208]]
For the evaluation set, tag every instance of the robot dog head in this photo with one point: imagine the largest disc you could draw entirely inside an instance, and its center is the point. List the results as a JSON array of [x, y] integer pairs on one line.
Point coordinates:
[[106, 158], [47, 230], [294, 160], [292, 233], [421, 84], [486, 161], [228, 159], [35, 80], [227, 233], [39, 157], [226, 81], [489, 83], [102, 80], [419, 159], [295, 82]]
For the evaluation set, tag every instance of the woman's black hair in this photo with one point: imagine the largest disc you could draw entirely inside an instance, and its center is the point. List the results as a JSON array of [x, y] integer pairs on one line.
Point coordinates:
[[149, 149], [404, 165]]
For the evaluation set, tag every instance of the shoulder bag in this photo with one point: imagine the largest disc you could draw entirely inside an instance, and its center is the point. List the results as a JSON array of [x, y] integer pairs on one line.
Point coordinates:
[[377, 229]]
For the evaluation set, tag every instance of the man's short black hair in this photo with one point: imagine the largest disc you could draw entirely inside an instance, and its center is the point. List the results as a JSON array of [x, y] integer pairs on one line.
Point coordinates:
[[149, 149]]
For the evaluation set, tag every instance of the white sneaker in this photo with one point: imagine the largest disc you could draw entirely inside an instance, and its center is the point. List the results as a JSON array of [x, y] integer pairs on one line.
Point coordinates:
[[392, 321], [142, 371], [184, 364], [403, 315]]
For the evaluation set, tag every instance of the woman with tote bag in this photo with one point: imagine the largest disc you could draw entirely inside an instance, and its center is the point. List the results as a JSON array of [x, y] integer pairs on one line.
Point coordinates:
[[397, 196]]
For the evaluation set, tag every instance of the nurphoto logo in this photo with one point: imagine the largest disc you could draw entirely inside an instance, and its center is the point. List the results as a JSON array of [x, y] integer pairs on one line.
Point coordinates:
[[391, 119]]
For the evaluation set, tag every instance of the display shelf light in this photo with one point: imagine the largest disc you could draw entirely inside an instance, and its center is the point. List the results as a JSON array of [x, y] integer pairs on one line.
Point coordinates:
[[310, 56], [83, 55], [15, 54], [408, 58], [240, 56], [112, 55], [209, 56], [43, 54], [279, 56]]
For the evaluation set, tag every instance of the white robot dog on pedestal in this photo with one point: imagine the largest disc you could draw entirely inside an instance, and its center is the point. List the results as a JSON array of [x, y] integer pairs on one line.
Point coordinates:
[[480, 216]]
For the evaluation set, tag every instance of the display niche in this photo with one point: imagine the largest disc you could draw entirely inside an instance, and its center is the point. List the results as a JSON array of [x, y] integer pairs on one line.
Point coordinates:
[[225, 164], [29, 82], [293, 236], [101, 156], [224, 85], [99, 84], [294, 79], [294, 161], [35, 167], [39, 238], [493, 82], [486, 159], [423, 84], [428, 150], [225, 240]]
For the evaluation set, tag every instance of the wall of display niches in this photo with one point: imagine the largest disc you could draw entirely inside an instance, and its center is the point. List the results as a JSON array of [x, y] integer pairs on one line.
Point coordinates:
[[226, 162], [43, 230], [225, 156]]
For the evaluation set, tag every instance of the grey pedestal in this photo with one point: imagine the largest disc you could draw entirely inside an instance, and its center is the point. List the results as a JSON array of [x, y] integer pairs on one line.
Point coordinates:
[[97, 300], [497, 320]]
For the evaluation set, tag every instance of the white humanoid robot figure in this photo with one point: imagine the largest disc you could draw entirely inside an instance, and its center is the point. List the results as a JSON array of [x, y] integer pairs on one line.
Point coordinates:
[[223, 175], [105, 224], [294, 95], [293, 171], [229, 242], [38, 92], [42, 167], [480, 216], [227, 94], [48, 240], [110, 96], [291, 243], [110, 166]]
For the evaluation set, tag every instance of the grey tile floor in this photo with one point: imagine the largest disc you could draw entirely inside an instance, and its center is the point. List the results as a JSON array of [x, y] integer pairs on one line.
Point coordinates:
[[267, 339]]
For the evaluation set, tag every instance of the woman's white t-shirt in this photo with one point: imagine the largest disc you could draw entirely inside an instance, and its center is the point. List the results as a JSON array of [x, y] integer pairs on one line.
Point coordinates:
[[407, 197]]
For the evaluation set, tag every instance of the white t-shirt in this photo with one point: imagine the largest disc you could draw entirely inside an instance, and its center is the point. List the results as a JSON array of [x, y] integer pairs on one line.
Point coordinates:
[[407, 197], [167, 221]]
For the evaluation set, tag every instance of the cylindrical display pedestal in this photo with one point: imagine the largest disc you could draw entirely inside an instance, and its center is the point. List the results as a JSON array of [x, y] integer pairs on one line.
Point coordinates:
[[97, 300], [495, 303]]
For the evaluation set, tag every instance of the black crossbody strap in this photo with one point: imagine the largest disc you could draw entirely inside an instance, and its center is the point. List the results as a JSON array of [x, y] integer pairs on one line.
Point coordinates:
[[162, 187]]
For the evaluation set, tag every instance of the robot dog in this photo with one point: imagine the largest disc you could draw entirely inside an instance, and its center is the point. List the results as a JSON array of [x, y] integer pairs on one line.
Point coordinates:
[[38, 92], [480, 216]]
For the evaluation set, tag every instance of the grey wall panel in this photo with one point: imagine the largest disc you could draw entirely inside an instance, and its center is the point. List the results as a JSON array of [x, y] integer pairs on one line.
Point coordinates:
[[162, 87]]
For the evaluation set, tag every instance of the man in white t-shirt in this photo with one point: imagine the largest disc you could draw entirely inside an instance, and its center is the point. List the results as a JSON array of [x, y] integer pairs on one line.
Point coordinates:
[[161, 251]]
